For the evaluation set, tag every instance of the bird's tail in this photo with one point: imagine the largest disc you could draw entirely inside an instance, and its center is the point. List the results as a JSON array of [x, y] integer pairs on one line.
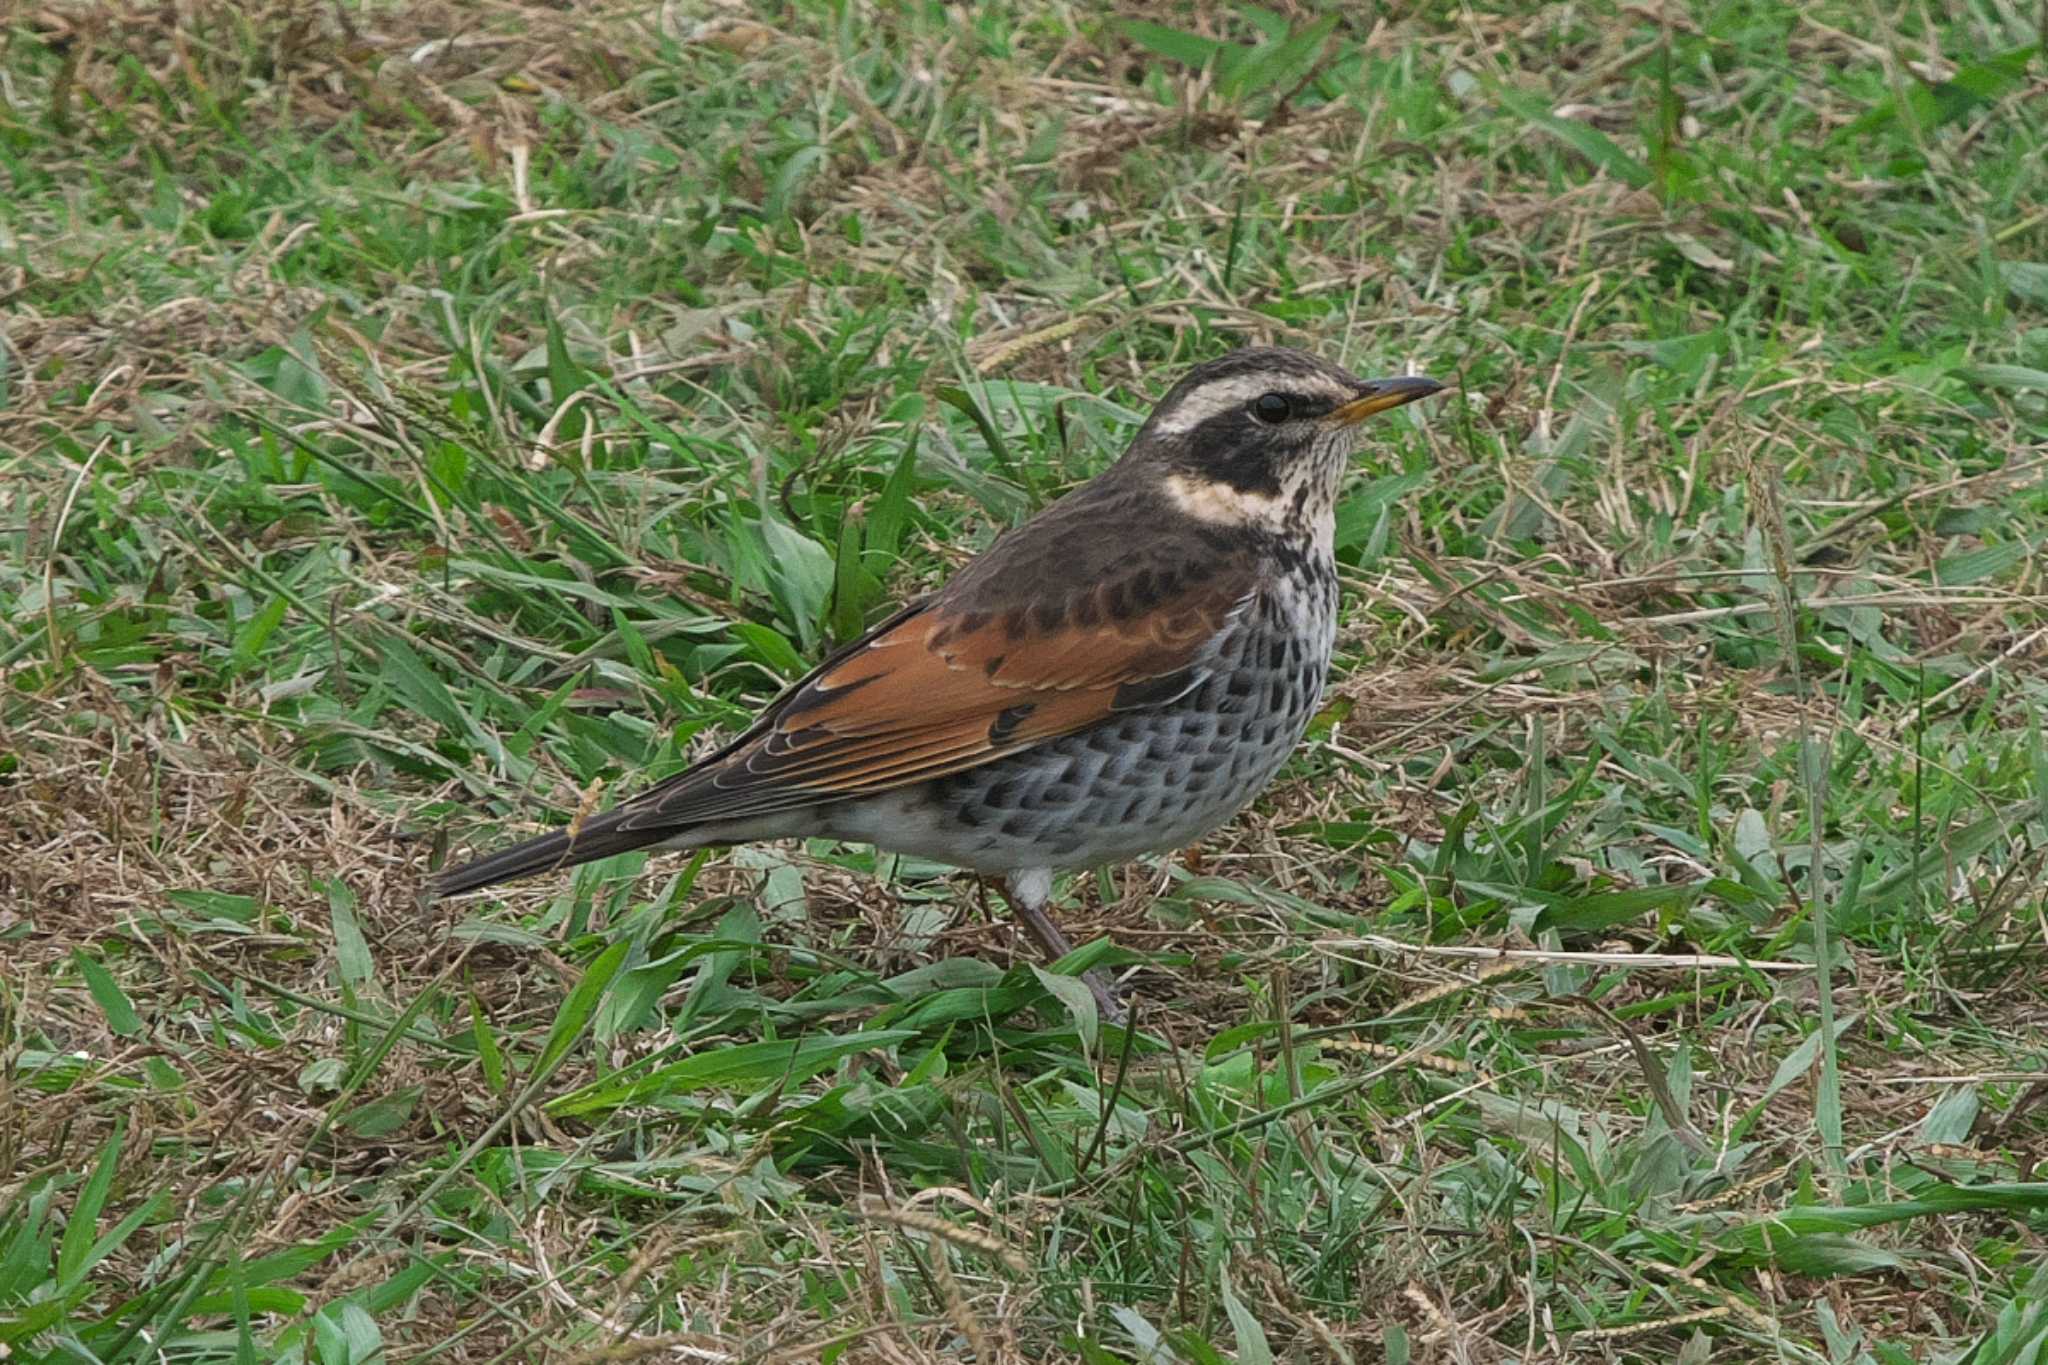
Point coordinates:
[[600, 837]]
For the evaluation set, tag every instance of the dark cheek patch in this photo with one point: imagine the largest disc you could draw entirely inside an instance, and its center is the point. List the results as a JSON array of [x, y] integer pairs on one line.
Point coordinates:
[[1232, 449]]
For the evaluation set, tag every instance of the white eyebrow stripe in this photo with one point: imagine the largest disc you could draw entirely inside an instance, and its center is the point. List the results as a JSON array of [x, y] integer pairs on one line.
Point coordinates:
[[1220, 396]]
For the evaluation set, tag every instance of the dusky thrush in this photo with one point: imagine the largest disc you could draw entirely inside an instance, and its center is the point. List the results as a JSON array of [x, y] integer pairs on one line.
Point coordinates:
[[1117, 676]]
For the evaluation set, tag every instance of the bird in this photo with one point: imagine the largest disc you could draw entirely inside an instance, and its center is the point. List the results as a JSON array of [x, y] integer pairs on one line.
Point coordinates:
[[1116, 677]]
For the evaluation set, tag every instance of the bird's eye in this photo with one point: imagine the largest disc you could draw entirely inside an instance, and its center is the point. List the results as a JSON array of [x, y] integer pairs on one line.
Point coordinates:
[[1272, 408]]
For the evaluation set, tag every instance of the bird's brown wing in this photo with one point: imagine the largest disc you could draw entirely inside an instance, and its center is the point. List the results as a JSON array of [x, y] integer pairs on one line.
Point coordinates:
[[957, 680]]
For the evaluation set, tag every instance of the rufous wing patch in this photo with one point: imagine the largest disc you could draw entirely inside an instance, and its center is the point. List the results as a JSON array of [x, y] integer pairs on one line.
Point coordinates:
[[946, 687]]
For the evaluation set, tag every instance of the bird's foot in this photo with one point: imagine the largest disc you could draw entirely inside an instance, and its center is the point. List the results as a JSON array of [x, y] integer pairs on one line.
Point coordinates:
[[1107, 1004], [1029, 903]]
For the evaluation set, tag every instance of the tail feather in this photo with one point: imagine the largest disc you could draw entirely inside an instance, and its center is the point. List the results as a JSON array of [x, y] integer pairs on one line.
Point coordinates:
[[600, 837]]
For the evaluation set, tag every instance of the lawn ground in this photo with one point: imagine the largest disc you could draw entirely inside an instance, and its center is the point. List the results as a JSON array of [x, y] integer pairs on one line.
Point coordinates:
[[419, 422]]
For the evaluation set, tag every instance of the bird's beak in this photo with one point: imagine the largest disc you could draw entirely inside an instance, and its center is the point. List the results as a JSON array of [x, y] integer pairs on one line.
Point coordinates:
[[1381, 394]]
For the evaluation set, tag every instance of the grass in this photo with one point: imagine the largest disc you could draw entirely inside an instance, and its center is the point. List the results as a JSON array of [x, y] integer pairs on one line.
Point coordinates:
[[420, 422]]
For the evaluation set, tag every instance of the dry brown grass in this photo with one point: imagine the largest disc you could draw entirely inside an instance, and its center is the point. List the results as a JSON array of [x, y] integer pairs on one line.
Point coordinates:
[[1572, 578]]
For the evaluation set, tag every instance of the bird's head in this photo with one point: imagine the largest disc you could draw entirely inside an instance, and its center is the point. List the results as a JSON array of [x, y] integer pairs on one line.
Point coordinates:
[[1261, 436]]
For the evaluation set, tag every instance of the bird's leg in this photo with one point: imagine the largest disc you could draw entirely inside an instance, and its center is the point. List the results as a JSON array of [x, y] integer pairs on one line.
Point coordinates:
[[1028, 893]]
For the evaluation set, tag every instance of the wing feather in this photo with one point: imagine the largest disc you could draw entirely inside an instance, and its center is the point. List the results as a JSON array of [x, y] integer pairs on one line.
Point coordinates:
[[949, 683]]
